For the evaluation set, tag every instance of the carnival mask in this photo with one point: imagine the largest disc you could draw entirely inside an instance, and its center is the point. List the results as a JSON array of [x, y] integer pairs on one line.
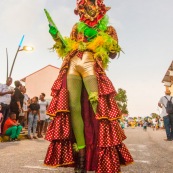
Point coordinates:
[[91, 11]]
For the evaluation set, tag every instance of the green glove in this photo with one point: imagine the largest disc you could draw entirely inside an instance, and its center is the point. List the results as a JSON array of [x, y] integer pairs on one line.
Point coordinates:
[[53, 31]]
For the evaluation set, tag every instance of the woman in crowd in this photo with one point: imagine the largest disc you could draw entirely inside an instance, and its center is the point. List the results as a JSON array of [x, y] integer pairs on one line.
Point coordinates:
[[17, 100]]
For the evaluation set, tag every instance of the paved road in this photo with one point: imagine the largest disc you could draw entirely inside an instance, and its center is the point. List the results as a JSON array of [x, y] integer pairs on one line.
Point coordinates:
[[151, 154]]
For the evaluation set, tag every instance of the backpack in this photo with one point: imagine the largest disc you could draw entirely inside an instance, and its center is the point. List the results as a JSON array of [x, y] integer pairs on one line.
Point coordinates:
[[169, 106]]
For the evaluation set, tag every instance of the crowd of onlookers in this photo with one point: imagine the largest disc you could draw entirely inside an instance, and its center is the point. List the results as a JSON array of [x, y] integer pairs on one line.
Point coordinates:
[[155, 123], [19, 112]]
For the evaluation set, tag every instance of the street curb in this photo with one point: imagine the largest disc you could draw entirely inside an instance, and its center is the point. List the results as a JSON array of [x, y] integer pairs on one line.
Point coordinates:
[[5, 138]]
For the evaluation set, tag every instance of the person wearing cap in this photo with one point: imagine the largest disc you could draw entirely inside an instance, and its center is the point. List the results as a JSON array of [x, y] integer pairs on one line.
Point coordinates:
[[167, 118]]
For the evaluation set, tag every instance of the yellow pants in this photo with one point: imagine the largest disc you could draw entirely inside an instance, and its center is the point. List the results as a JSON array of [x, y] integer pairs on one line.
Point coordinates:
[[82, 66]]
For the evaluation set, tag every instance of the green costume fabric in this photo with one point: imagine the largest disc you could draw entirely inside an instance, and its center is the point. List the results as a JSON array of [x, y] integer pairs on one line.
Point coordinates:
[[13, 131], [91, 86], [74, 85]]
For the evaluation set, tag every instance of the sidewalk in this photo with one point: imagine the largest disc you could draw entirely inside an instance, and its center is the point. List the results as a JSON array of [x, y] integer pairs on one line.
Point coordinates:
[[21, 136]]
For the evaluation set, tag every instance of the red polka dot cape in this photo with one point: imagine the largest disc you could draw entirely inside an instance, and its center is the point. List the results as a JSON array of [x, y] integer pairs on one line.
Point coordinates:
[[105, 151]]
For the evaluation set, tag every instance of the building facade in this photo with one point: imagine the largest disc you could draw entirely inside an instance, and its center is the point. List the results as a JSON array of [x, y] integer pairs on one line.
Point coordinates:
[[168, 78], [41, 81]]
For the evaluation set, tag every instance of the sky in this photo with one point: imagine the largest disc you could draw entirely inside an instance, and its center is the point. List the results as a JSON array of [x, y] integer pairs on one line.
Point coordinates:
[[145, 34]]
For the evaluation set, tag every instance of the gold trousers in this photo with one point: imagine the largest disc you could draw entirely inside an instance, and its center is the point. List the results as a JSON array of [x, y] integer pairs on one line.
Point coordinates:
[[82, 66]]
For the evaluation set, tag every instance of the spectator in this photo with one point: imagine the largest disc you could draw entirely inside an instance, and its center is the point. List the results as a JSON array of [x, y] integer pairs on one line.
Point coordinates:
[[25, 107], [122, 124], [44, 119], [161, 123], [12, 128], [5, 98], [145, 125], [34, 116], [1, 118], [167, 119], [17, 100], [154, 124]]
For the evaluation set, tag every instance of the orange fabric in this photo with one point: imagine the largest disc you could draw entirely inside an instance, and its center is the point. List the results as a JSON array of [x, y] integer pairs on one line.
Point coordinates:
[[8, 123]]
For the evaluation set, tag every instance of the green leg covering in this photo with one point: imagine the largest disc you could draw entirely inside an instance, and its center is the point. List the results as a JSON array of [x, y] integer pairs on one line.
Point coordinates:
[[91, 86], [74, 85]]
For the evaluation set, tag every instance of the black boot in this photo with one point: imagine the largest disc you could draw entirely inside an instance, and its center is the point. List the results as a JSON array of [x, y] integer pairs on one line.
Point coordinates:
[[80, 166]]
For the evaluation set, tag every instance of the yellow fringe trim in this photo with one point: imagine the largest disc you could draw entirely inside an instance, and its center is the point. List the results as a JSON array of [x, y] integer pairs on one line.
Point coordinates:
[[126, 164], [64, 164], [110, 119], [100, 118], [54, 115]]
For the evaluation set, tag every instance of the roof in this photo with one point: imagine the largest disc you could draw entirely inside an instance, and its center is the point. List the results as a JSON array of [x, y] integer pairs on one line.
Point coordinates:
[[24, 79], [167, 77]]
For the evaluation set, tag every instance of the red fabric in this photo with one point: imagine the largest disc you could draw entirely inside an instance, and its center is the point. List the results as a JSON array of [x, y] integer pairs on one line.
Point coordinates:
[[105, 151], [59, 153], [83, 18], [94, 22], [8, 123], [107, 107], [59, 128], [91, 127]]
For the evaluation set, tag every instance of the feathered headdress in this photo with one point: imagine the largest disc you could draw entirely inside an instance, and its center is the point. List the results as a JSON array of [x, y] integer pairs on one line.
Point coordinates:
[[91, 11]]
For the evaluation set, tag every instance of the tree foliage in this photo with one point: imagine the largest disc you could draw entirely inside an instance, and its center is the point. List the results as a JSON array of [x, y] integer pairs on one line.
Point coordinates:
[[121, 99], [154, 115]]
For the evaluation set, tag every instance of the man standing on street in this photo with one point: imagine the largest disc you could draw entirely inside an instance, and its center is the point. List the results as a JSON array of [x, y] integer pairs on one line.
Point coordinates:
[[5, 98], [167, 118]]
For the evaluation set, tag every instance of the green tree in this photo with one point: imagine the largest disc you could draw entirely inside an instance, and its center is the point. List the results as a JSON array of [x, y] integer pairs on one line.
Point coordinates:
[[154, 115], [121, 99]]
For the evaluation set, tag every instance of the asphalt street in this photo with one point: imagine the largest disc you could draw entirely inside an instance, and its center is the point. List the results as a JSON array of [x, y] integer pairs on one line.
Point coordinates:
[[151, 154]]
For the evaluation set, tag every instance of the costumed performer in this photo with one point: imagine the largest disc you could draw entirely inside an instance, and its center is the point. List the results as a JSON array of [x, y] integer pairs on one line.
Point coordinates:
[[85, 132]]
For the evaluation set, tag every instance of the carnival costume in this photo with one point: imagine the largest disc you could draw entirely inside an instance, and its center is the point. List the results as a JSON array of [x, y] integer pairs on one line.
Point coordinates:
[[85, 132]]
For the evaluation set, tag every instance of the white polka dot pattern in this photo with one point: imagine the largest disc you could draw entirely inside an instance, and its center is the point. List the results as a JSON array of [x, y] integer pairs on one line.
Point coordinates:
[[59, 128], [59, 103], [110, 133], [110, 149], [108, 160], [107, 106], [59, 153]]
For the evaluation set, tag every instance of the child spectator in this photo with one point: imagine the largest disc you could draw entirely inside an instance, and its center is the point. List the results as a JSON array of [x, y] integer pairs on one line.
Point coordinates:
[[1, 118], [43, 117], [145, 125], [122, 124], [34, 116], [12, 128]]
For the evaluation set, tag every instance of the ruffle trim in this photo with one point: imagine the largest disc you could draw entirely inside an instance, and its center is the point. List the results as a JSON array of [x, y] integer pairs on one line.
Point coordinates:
[[110, 134], [59, 153], [111, 158], [59, 128], [59, 103]]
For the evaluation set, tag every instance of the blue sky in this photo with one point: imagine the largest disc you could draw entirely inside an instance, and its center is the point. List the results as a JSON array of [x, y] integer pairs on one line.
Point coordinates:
[[145, 34]]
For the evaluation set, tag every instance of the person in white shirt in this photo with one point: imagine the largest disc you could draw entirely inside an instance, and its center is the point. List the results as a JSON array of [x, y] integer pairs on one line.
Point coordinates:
[[167, 119], [5, 98], [43, 107], [25, 107]]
